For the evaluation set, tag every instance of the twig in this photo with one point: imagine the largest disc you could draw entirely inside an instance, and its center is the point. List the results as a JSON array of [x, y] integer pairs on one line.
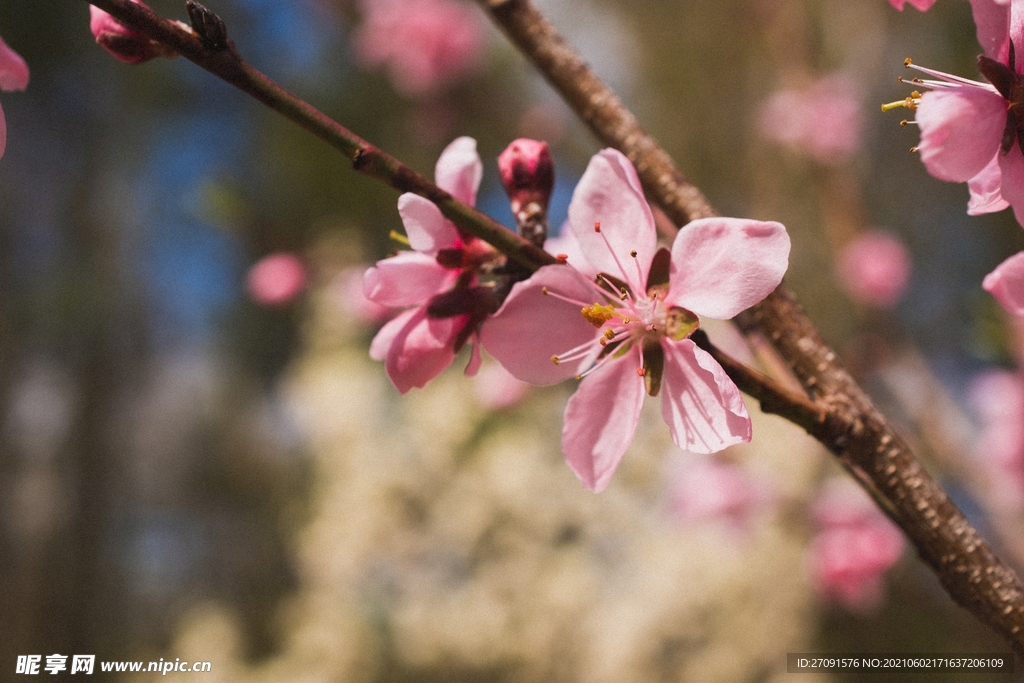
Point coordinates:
[[222, 60], [856, 432]]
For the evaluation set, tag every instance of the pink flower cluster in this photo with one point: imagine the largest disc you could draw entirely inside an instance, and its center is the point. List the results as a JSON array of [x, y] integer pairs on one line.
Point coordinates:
[[425, 45], [854, 547], [618, 315], [276, 279], [823, 121], [13, 76]]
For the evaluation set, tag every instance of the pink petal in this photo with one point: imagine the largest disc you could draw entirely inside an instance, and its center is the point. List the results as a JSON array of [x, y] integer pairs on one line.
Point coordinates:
[[13, 69], [609, 193], [874, 268], [276, 279], [960, 131], [419, 349], [992, 21], [475, 360], [1017, 32], [721, 266], [385, 337], [428, 230], [531, 327], [1012, 188], [600, 421], [700, 404], [1006, 284], [459, 170], [984, 187], [406, 279], [565, 244]]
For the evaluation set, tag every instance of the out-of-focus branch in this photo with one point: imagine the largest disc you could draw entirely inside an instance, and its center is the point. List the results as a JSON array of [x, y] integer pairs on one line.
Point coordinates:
[[854, 430], [221, 59]]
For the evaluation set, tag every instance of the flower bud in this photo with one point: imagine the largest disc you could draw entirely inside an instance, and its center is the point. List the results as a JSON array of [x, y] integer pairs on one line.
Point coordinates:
[[122, 42], [527, 173]]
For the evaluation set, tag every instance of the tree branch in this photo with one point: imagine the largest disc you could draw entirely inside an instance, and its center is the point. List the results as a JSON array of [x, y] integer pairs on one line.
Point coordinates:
[[224, 62], [853, 429]]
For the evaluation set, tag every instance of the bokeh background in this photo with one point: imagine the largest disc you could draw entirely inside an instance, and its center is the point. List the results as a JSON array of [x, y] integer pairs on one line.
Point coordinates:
[[198, 460]]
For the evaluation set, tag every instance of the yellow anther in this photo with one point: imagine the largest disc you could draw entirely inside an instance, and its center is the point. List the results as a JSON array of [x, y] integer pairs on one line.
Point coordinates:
[[907, 61], [597, 226], [554, 359], [597, 314], [632, 253], [400, 238], [544, 291]]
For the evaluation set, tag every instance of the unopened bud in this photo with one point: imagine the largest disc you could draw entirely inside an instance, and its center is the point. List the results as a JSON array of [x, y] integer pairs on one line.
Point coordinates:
[[527, 173], [123, 42]]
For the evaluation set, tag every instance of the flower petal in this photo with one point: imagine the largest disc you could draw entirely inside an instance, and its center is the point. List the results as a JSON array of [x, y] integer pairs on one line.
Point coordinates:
[[566, 244], [721, 266], [406, 279], [700, 404], [984, 187], [1012, 188], [428, 230], [420, 347], [992, 21], [1006, 283], [13, 69], [961, 130], [459, 170], [531, 327], [609, 193], [600, 421]]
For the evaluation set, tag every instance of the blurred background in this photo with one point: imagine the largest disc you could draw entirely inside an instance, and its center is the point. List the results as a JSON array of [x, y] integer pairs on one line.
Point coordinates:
[[198, 459]]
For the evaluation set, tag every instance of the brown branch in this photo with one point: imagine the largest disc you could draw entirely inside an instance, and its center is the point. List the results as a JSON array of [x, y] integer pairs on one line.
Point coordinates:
[[854, 430], [222, 60]]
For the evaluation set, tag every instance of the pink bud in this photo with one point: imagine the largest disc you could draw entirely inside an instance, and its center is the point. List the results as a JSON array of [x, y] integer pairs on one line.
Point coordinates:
[[276, 279], [122, 42], [527, 173]]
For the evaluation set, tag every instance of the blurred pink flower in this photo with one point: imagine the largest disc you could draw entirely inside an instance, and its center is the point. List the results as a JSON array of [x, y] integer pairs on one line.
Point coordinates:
[[276, 279], [438, 280], [424, 44], [13, 76], [823, 121], [998, 400], [711, 490], [124, 43], [496, 389], [855, 545], [347, 291], [874, 268], [969, 129], [920, 5], [628, 329]]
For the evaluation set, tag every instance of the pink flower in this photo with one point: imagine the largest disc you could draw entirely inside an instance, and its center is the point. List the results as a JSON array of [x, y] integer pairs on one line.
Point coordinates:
[[626, 329], [855, 546], [969, 129], [998, 400], [425, 44], [920, 5], [276, 279], [13, 76], [823, 121], [123, 42], [710, 490], [438, 279], [874, 268], [347, 294]]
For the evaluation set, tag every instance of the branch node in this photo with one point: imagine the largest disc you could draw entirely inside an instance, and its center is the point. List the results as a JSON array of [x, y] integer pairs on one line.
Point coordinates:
[[207, 25]]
